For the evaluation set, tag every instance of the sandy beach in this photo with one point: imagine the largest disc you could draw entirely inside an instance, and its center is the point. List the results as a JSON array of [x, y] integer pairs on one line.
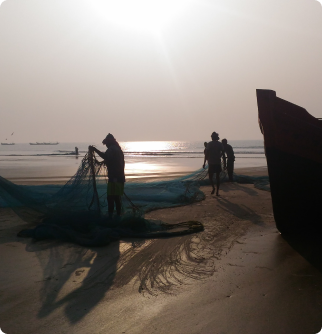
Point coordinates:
[[144, 99], [237, 276]]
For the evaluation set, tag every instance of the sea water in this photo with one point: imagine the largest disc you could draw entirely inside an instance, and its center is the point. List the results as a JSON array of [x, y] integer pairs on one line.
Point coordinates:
[[145, 158]]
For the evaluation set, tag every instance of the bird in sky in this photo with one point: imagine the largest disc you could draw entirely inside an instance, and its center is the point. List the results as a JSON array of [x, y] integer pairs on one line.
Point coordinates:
[[12, 133]]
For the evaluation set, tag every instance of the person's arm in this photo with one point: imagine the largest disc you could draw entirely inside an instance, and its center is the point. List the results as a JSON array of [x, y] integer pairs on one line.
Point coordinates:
[[205, 159], [231, 154], [94, 149]]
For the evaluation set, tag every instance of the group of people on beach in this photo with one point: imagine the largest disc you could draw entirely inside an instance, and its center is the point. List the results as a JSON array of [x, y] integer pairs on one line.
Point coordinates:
[[215, 151]]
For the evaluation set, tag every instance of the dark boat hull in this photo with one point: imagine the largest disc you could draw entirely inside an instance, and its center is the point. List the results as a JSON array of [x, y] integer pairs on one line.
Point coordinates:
[[296, 191], [293, 148]]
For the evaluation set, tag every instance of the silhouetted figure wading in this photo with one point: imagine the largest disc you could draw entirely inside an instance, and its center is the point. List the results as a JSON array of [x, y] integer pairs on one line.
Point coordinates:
[[204, 152]]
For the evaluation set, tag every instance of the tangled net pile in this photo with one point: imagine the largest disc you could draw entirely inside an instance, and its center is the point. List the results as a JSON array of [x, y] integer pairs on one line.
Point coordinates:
[[77, 211]]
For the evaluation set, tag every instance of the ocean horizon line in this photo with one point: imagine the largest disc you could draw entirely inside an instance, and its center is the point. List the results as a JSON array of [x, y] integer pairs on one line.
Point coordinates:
[[123, 141]]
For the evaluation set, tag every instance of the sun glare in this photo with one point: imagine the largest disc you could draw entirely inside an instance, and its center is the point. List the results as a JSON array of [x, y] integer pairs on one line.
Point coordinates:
[[146, 146], [148, 16]]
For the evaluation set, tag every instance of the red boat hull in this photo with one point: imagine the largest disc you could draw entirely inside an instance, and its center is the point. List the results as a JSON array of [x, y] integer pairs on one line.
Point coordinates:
[[293, 148]]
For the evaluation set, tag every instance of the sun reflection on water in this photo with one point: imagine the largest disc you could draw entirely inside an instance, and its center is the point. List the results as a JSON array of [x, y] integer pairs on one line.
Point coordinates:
[[151, 146], [149, 158], [133, 168]]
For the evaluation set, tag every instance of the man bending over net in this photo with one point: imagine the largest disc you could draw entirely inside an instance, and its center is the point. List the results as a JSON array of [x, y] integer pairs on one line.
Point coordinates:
[[114, 161]]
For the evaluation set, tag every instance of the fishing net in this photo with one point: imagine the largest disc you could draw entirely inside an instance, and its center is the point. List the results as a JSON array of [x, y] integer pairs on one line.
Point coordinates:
[[77, 211]]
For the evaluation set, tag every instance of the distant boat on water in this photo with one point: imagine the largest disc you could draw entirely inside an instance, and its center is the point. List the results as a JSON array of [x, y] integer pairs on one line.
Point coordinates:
[[7, 143], [43, 143], [293, 149]]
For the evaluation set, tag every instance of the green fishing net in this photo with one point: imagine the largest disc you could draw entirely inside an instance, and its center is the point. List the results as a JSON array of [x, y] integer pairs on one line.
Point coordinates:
[[77, 211]]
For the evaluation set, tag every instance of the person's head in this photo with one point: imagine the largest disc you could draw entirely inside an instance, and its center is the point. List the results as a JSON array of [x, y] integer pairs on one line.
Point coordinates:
[[224, 142], [205, 144], [109, 140], [215, 136]]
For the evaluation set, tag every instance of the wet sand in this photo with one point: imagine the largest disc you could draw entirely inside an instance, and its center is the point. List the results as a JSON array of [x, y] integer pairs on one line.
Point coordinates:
[[238, 276], [25, 170]]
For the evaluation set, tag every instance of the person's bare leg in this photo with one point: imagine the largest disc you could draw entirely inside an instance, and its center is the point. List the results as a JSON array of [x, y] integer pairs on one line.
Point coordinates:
[[230, 170], [110, 205], [230, 175], [212, 183], [218, 183], [118, 204]]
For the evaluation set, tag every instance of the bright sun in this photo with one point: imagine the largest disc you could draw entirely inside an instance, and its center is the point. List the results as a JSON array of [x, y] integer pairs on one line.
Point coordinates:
[[148, 16]]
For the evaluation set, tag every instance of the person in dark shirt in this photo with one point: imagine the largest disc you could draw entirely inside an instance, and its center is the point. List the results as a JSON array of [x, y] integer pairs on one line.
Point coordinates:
[[114, 161], [213, 154], [230, 159]]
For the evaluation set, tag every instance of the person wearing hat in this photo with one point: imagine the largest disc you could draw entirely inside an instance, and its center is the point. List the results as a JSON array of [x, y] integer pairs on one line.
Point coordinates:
[[114, 161], [213, 153]]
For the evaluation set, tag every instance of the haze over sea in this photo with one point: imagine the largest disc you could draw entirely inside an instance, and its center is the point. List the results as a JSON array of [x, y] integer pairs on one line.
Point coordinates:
[[145, 158]]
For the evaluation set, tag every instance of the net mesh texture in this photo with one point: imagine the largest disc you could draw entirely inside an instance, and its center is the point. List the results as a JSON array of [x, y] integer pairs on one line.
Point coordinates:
[[77, 211]]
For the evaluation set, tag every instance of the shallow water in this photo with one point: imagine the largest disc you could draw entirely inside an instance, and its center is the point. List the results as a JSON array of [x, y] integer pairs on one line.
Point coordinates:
[[149, 159]]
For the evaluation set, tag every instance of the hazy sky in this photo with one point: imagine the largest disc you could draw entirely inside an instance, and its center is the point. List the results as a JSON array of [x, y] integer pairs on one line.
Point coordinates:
[[74, 70]]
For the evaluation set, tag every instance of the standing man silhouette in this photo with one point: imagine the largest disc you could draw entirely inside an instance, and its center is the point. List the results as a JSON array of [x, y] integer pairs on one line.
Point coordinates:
[[114, 161], [213, 153], [230, 159]]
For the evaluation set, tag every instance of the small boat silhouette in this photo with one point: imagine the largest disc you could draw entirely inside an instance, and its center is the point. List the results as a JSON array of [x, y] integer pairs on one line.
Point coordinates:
[[36, 143]]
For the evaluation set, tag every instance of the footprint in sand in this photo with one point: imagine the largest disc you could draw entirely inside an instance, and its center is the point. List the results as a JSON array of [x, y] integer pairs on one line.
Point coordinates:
[[77, 273]]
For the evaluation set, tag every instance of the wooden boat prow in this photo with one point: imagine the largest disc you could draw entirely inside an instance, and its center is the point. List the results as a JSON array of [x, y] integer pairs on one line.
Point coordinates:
[[293, 149]]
